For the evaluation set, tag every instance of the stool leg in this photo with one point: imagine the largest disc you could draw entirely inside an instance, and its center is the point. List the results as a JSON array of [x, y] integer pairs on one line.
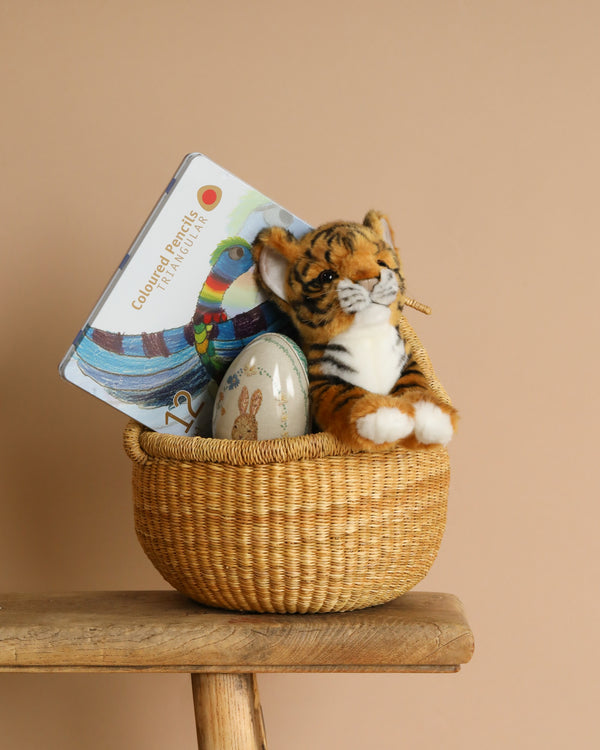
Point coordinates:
[[228, 712]]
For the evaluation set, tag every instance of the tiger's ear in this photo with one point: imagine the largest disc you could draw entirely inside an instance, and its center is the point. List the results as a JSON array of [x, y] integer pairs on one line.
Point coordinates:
[[273, 251], [379, 223]]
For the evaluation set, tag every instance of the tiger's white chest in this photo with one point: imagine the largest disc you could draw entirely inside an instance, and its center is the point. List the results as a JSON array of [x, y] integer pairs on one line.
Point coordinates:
[[369, 354]]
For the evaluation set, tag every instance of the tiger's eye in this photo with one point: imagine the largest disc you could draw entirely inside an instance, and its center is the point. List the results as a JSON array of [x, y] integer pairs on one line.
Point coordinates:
[[382, 263], [326, 277]]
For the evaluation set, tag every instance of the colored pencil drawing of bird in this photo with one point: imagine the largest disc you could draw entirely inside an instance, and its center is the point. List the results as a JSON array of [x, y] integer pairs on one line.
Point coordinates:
[[147, 369]]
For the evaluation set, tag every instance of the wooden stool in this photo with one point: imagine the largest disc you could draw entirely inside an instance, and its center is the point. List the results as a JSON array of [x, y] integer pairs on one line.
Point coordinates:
[[162, 631]]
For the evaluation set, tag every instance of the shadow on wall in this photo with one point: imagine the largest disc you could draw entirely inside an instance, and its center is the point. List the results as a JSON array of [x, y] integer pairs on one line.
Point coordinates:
[[66, 510], [72, 709]]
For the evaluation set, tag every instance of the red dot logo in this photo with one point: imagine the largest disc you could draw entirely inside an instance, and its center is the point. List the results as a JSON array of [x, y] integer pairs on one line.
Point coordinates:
[[209, 197]]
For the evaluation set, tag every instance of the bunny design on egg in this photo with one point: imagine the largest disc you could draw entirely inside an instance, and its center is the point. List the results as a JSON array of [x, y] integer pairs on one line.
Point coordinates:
[[264, 393], [245, 426]]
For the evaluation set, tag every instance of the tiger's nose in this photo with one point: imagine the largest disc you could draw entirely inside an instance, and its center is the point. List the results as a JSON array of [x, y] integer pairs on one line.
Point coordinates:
[[369, 284]]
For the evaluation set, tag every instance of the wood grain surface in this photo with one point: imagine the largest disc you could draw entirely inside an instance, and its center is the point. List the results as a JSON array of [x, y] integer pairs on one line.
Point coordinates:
[[163, 631], [228, 712]]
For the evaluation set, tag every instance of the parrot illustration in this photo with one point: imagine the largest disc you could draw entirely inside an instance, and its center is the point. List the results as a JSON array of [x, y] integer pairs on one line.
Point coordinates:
[[147, 368], [231, 258]]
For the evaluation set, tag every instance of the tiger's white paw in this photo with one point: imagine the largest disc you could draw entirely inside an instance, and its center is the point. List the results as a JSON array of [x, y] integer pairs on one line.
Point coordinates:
[[432, 425], [385, 425]]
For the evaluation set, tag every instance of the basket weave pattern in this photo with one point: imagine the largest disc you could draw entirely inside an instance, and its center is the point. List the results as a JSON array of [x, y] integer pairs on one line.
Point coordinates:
[[289, 525]]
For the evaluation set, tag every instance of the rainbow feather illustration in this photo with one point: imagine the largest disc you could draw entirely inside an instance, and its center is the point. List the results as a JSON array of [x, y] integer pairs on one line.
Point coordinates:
[[147, 369]]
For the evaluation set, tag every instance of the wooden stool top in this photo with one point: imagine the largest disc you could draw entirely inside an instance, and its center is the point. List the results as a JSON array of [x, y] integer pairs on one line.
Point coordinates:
[[163, 631]]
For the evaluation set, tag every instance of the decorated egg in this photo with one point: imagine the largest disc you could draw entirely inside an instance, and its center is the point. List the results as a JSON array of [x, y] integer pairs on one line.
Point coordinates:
[[264, 393]]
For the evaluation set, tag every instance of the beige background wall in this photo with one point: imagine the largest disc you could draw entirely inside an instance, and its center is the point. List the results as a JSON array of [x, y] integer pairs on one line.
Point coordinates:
[[475, 125]]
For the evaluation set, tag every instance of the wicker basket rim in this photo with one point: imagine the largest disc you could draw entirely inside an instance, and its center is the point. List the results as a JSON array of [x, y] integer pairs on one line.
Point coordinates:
[[141, 443]]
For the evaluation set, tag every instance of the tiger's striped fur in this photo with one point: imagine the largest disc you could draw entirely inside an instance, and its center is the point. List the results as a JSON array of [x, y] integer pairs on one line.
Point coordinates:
[[343, 288]]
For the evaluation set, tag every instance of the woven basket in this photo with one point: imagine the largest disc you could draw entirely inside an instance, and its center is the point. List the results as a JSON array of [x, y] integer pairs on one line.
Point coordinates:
[[289, 525]]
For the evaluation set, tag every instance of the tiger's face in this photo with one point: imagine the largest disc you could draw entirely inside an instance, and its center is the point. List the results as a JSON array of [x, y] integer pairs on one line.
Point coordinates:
[[333, 273]]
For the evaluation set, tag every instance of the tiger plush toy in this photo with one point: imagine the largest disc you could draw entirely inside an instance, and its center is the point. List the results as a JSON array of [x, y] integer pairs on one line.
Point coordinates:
[[343, 289]]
